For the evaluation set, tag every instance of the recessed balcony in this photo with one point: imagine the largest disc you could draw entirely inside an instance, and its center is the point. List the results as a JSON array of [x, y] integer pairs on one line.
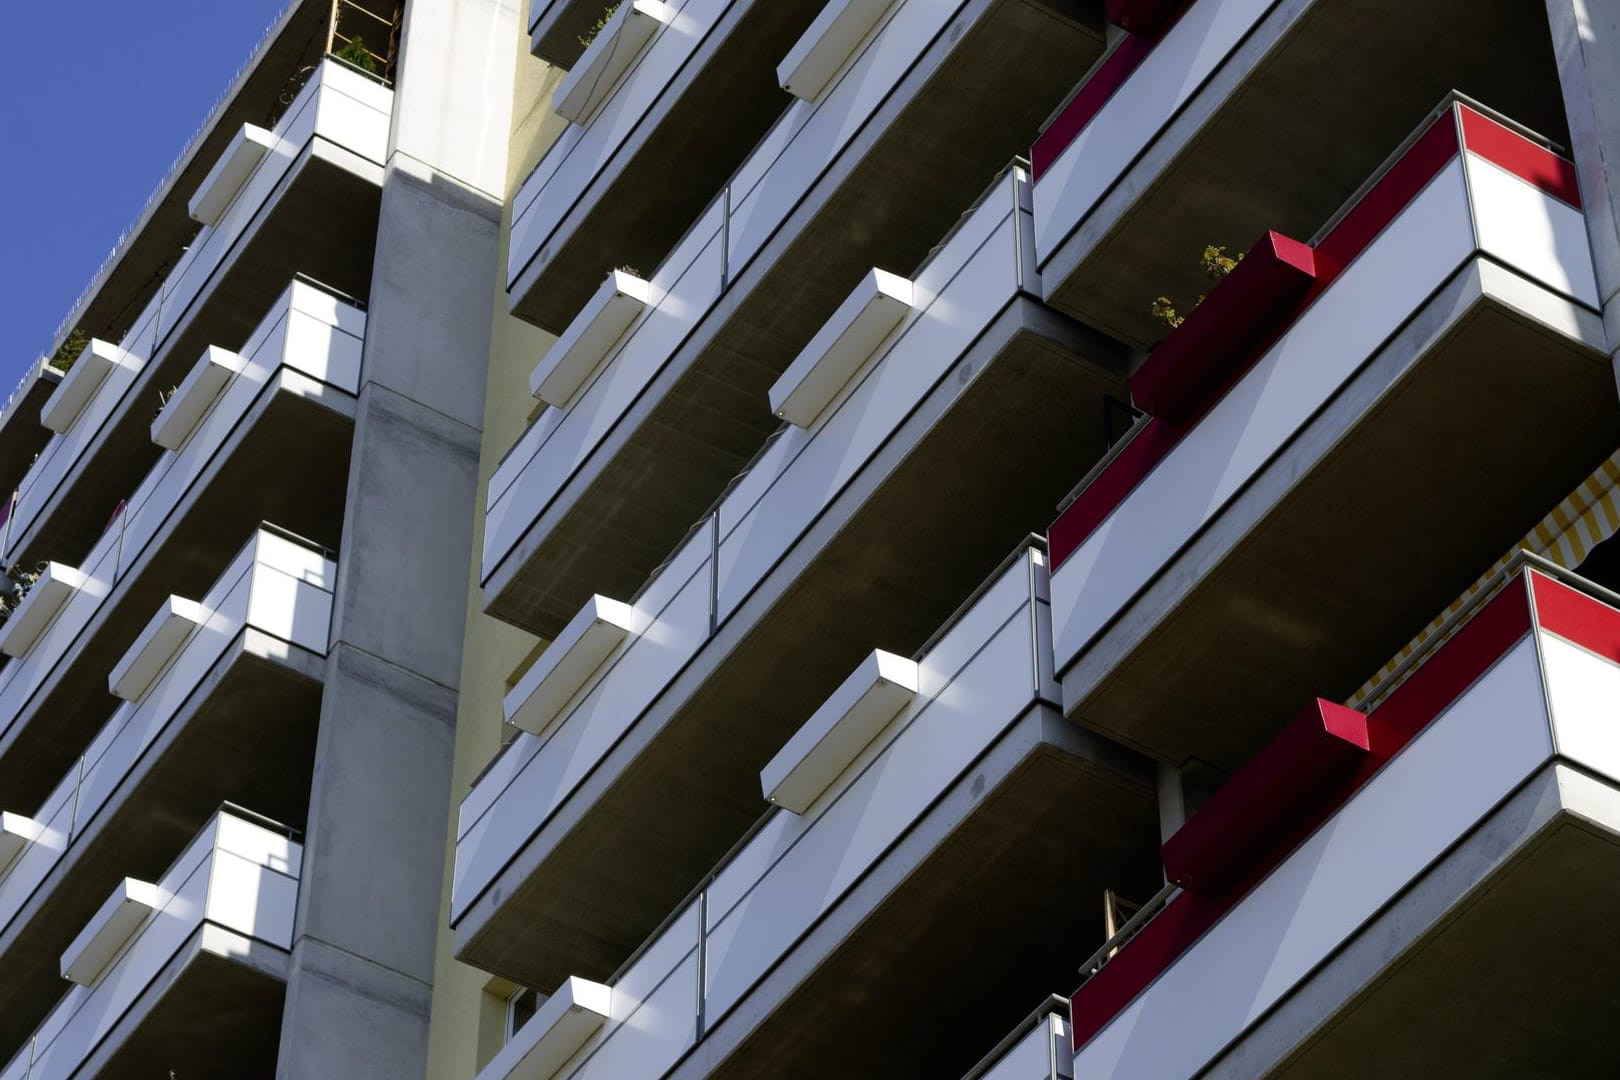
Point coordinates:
[[22, 436], [875, 932], [309, 207], [645, 768], [1247, 115], [230, 710], [184, 974], [281, 427], [668, 402], [1366, 934], [1350, 430]]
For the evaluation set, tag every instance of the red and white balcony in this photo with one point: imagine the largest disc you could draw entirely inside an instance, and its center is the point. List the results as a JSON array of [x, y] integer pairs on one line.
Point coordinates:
[[1439, 903], [1235, 116], [275, 419], [306, 205], [222, 695], [657, 388], [1309, 479], [646, 722], [831, 940], [663, 104], [186, 973]]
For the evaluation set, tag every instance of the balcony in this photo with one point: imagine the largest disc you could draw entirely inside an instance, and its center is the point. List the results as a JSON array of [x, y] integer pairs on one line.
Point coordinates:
[[643, 764], [928, 101], [872, 930], [230, 709], [308, 207], [186, 974], [1226, 124], [22, 436], [1324, 422], [658, 142], [279, 424], [1444, 909], [1041, 1048]]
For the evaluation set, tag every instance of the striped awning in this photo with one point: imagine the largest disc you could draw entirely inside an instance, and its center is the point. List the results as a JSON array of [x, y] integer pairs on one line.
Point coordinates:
[[1589, 516]]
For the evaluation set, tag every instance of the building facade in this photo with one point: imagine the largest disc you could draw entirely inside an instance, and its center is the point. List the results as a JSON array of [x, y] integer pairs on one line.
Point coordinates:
[[1001, 539]]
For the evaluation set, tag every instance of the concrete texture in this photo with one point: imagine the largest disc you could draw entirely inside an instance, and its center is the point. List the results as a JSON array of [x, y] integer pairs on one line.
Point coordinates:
[[210, 1012], [322, 197], [360, 986], [998, 887], [1414, 479], [1586, 41], [683, 784], [1498, 962], [964, 110], [1312, 103], [289, 451], [247, 735]]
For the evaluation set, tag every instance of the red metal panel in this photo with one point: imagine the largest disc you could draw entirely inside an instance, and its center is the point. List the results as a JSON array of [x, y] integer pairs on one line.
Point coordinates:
[[1178, 379], [1242, 821], [1520, 156], [1576, 617]]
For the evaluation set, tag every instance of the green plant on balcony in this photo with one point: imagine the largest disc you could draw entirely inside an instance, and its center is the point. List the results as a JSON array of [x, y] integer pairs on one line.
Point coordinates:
[[355, 53], [14, 586], [69, 350], [589, 35], [1216, 264]]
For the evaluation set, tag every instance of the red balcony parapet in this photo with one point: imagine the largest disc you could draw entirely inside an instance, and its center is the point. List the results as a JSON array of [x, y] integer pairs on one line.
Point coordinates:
[[1205, 352], [1243, 820]]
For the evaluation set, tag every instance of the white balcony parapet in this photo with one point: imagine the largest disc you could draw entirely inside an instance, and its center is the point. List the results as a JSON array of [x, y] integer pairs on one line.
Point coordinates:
[[16, 833], [230, 896], [98, 942], [190, 400], [79, 385], [594, 331], [154, 648], [841, 728], [610, 55], [960, 294], [831, 39], [308, 344], [762, 902], [219, 188], [568, 663], [277, 588], [45, 598], [839, 349], [555, 1033], [340, 115]]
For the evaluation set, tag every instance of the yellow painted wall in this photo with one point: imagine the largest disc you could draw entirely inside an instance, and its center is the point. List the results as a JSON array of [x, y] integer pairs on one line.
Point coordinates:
[[468, 1006]]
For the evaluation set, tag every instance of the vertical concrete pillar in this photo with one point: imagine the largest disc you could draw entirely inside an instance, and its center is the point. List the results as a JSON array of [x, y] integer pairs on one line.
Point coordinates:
[[360, 986], [1586, 41]]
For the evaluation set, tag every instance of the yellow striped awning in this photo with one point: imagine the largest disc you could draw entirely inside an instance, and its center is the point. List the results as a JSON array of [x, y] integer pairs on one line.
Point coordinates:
[[1589, 516]]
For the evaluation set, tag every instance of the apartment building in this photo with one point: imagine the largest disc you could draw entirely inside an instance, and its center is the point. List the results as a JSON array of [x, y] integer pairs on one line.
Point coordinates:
[[780, 538], [230, 645]]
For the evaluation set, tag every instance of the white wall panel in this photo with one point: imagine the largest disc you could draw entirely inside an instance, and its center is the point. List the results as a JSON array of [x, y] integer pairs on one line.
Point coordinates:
[[1529, 230]]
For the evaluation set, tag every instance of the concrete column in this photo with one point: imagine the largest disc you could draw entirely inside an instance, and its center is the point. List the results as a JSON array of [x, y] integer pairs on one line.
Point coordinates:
[[360, 987], [1586, 41]]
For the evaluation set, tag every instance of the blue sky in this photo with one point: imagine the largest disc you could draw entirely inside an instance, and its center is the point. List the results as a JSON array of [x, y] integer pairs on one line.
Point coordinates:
[[98, 99]]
